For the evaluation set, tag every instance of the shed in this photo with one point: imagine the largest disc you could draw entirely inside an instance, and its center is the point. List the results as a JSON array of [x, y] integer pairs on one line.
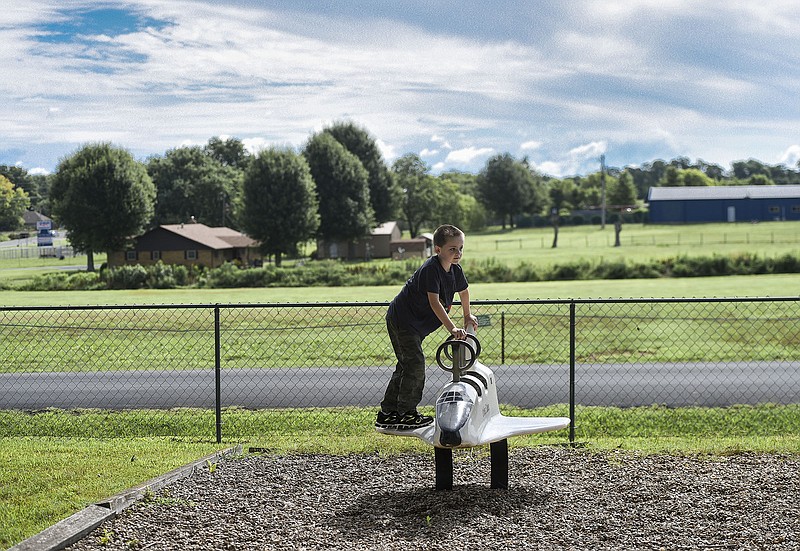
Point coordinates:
[[376, 245], [420, 246], [723, 204]]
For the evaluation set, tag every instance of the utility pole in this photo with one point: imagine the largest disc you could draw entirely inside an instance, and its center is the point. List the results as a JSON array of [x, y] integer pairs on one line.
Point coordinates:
[[603, 192]]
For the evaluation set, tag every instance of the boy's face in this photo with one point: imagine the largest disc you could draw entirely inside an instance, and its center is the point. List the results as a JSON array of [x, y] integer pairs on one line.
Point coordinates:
[[452, 250]]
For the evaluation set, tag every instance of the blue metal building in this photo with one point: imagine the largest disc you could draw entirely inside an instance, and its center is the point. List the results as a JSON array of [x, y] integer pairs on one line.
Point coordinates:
[[723, 204]]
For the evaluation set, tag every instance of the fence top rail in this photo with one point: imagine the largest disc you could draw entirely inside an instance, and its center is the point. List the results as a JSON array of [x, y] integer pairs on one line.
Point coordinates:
[[385, 304]]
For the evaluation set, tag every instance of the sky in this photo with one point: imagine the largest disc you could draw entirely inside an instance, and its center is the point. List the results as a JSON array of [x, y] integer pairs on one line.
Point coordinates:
[[561, 82]]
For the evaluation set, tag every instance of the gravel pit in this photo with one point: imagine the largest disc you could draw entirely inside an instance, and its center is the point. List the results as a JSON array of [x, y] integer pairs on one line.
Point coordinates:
[[558, 498]]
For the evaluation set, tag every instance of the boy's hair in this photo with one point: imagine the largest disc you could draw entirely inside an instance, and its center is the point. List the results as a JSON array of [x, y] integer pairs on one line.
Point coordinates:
[[445, 232]]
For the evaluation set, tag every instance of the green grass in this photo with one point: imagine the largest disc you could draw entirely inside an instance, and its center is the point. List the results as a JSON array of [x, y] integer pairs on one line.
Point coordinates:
[[17, 271], [728, 286], [45, 479], [183, 338], [640, 243]]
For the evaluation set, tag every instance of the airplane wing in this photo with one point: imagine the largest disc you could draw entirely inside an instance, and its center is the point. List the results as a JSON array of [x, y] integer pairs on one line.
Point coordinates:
[[423, 433], [500, 427]]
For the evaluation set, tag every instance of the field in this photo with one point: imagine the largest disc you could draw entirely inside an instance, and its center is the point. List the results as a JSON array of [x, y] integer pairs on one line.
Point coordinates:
[[639, 243], [47, 479]]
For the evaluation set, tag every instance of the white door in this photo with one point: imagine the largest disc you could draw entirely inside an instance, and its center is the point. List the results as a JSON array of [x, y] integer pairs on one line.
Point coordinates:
[[731, 214]]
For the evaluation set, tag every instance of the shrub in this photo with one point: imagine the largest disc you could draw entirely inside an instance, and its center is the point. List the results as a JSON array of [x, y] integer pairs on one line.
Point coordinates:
[[125, 277], [63, 281]]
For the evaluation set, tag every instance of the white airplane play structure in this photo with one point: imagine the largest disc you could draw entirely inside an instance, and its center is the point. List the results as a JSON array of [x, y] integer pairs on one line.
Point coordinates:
[[468, 414]]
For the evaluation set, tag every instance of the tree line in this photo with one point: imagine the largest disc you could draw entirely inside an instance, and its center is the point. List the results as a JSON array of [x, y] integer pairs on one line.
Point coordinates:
[[336, 187]]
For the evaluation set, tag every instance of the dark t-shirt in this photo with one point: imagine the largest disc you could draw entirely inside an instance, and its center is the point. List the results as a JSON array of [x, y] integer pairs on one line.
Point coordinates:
[[410, 308]]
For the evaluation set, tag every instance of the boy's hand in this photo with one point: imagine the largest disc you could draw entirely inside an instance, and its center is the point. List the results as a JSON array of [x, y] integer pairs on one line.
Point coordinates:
[[458, 333], [471, 320]]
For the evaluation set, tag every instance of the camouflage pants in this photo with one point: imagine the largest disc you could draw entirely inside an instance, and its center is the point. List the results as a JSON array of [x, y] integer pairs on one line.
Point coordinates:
[[404, 391]]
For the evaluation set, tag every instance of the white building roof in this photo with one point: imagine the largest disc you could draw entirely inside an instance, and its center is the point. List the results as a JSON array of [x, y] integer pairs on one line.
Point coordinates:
[[723, 192]]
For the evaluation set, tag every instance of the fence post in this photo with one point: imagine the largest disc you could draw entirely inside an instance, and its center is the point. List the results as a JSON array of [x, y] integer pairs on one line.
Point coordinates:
[[502, 338], [217, 375], [572, 372]]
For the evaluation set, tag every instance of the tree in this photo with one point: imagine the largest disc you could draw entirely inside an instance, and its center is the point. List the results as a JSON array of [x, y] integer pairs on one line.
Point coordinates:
[[230, 152], [744, 169], [419, 194], [506, 187], [466, 181], [13, 203], [103, 197], [191, 183], [590, 190], [383, 192], [23, 180], [713, 171], [622, 192], [693, 177], [760, 180], [690, 177], [342, 189], [452, 206], [279, 206], [563, 195]]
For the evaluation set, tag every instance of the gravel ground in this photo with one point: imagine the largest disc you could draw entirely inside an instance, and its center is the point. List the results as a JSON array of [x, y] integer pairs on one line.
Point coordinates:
[[558, 498]]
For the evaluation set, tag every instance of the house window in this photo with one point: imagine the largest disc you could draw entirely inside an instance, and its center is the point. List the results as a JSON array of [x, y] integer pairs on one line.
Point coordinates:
[[130, 256], [155, 255], [774, 210], [795, 208], [191, 254]]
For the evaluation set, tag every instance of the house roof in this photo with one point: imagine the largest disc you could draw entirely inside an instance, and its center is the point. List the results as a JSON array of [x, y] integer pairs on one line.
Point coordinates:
[[214, 238], [387, 228], [30, 217], [723, 192]]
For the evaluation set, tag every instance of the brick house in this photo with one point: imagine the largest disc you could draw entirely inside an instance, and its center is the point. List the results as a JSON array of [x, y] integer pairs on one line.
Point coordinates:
[[189, 244]]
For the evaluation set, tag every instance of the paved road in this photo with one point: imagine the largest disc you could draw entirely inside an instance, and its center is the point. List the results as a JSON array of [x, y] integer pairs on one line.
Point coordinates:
[[705, 384]]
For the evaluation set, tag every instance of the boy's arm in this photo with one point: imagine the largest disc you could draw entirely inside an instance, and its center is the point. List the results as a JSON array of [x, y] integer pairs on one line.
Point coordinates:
[[469, 319], [441, 313]]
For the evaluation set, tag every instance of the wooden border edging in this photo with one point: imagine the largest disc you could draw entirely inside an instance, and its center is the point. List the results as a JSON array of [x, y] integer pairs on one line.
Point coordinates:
[[73, 528]]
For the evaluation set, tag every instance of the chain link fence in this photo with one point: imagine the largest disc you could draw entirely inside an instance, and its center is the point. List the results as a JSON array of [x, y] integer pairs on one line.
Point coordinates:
[[228, 371]]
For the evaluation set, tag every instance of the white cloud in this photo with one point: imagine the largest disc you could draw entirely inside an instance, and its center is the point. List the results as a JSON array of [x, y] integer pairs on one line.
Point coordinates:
[[428, 152], [254, 145], [656, 72], [442, 141], [530, 146], [467, 155], [389, 152], [39, 171], [791, 156], [589, 150], [550, 168]]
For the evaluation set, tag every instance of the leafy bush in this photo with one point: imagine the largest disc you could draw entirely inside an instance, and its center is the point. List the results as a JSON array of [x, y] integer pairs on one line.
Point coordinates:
[[64, 281], [125, 277], [334, 273]]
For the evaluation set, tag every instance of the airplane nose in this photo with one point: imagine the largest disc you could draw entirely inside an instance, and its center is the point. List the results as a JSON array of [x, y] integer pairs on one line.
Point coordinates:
[[449, 438]]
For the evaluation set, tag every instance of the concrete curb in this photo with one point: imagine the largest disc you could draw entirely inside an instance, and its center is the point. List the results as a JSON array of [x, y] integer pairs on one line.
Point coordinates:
[[73, 528]]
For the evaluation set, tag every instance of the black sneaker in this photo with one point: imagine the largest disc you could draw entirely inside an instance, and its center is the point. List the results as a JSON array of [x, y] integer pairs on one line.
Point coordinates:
[[411, 420], [387, 420]]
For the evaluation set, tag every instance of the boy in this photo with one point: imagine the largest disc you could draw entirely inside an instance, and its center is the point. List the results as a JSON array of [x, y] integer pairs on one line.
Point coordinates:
[[418, 310]]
